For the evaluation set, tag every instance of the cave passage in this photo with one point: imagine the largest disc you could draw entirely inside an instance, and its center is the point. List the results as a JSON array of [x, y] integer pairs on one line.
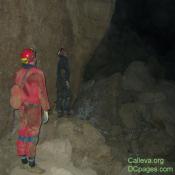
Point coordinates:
[[152, 21]]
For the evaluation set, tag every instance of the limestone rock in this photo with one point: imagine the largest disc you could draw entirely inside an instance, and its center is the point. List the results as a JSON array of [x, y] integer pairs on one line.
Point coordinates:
[[167, 88], [163, 112], [152, 144], [54, 157], [131, 114], [54, 149], [60, 171], [116, 168], [170, 129], [124, 171], [152, 97], [88, 145], [163, 117], [137, 77], [116, 131], [84, 138], [99, 101], [71, 170]]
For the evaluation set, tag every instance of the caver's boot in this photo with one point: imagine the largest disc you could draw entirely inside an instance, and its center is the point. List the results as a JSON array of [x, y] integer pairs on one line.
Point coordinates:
[[24, 162], [33, 168]]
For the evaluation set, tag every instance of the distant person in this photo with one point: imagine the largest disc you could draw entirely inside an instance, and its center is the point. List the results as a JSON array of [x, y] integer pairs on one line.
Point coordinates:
[[63, 84], [29, 84]]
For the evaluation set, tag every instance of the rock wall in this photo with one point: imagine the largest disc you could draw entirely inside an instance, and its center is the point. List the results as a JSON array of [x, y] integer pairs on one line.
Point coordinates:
[[90, 20], [48, 25], [119, 47]]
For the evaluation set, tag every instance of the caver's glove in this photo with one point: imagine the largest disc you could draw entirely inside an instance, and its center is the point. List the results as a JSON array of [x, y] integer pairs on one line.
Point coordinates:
[[45, 117]]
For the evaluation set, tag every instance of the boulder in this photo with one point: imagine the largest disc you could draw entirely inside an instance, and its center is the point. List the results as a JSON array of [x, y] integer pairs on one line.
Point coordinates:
[[116, 131], [132, 114], [163, 117], [60, 171], [137, 77], [116, 168], [168, 89], [170, 129], [88, 145], [151, 97], [55, 157], [151, 143], [84, 138], [54, 150], [163, 112], [125, 171], [98, 101], [71, 171]]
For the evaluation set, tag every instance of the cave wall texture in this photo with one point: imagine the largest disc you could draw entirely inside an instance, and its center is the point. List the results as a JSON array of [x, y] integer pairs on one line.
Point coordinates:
[[76, 25]]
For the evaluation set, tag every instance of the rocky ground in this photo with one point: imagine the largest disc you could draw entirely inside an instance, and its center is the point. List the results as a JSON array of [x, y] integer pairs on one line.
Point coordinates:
[[68, 146]]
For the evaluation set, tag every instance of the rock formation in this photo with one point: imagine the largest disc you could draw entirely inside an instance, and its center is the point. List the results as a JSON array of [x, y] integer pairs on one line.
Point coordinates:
[[67, 146], [133, 111]]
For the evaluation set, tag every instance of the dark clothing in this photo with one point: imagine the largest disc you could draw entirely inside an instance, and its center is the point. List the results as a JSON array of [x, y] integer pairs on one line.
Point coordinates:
[[63, 64], [63, 98], [63, 90]]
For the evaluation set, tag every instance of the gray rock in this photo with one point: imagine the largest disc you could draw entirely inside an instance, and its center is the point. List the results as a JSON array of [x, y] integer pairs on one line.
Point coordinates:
[[99, 101], [156, 143], [152, 97], [131, 114], [124, 171], [54, 149], [116, 168], [163, 111], [88, 144], [168, 88], [60, 171], [137, 77], [170, 129]]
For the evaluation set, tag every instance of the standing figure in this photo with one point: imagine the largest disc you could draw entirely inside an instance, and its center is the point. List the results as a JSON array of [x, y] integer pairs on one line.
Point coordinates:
[[63, 84], [34, 101]]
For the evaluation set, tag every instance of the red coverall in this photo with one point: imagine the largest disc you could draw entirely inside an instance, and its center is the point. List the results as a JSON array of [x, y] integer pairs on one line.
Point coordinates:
[[35, 100]]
